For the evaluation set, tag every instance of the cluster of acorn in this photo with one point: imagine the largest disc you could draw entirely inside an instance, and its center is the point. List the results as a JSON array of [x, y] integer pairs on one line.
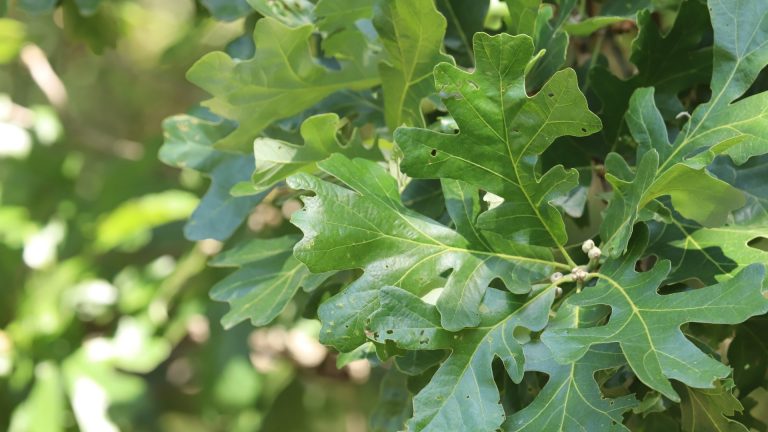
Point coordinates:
[[580, 273]]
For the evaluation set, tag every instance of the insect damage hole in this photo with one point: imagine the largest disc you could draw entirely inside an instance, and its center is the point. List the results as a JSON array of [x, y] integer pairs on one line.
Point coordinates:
[[433, 153]]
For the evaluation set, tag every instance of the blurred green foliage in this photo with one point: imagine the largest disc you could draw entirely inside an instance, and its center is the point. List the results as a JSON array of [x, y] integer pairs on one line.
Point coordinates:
[[105, 319]]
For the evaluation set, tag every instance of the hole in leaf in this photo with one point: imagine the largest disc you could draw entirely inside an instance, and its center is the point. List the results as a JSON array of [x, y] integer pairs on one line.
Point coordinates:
[[584, 130], [390, 331], [759, 243], [645, 264], [433, 152], [551, 95]]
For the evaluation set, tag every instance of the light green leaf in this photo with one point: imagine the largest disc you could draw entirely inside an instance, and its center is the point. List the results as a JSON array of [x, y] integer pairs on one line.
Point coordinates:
[[268, 278], [12, 36], [130, 224], [733, 240], [502, 132], [412, 32], [282, 79], [462, 395], [647, 325], [44, 409], [276, 159], [368, 227], [750, 179]]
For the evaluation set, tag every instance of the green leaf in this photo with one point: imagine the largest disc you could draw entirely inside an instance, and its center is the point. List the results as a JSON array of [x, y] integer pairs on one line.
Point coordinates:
[[394, 405], [670, 62], [705, 410], [282, 79], [268, 278], [647, 325], [277, 159], [465, 18], [463, 386], [694, 192], [44, 409], [590, 25], [722, 251], [412, 33], [571, 399], [750, 179], [522, 16], [368, 227], [291, 13], [189, 144], [721, 125], [334, 15], [502, 132], [748, 355]]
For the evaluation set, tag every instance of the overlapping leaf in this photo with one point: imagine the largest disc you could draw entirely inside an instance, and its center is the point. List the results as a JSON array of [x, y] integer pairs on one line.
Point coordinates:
[[502, 132], [749, 178], [368, 227], [462, 395], [695, 193], [282, 79], [647, 325], [709, 254], [268, 278], [465, 18], [571, 399], [670, 62], [278, 159], [412, 33], [705, 410], [722, 125], [189, 144]]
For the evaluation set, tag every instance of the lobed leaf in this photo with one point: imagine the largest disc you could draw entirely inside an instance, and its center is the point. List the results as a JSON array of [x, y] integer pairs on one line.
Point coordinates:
[[647, 325], [502, 132], [267, 279], [462, 394], [368, 227], [282, 79]]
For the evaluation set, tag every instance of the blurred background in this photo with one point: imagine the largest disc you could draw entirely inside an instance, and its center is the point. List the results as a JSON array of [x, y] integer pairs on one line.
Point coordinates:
[[105, 319]]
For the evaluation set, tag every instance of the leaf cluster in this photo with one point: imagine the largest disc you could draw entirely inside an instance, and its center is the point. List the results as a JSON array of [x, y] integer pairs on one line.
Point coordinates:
[[539, 216]]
